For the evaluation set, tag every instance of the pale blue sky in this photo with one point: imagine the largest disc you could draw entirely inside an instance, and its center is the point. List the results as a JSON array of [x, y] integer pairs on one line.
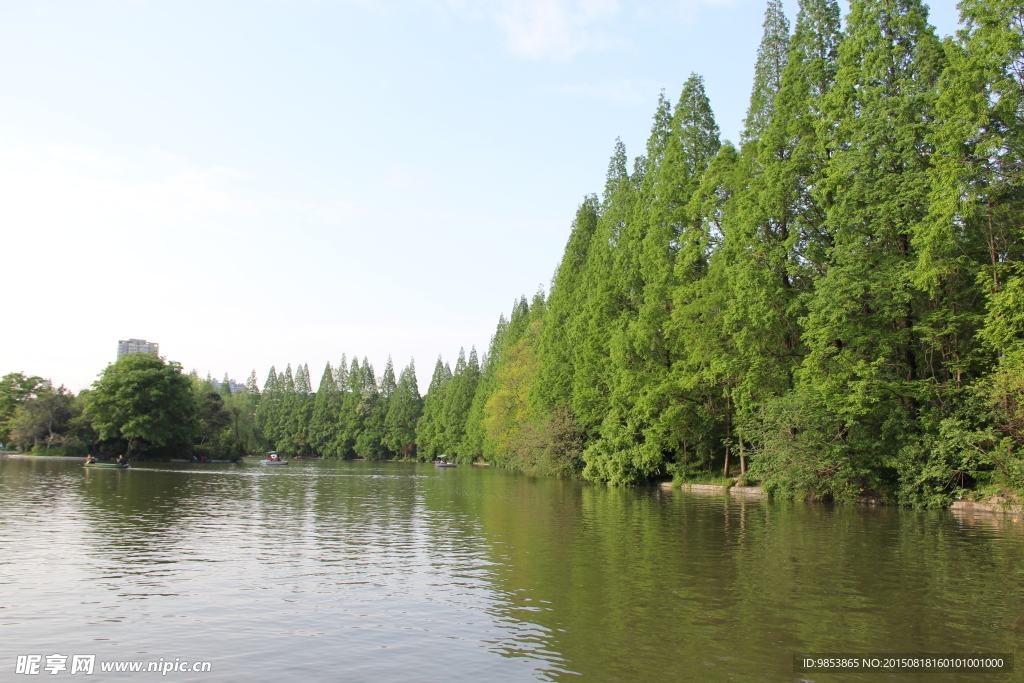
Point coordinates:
[[263, 182]]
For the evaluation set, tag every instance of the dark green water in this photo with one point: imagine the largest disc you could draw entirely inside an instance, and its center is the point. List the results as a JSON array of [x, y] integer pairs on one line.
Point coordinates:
[[354, 571]]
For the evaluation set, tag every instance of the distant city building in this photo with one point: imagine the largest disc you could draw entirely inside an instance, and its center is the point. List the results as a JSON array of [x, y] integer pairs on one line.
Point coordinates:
[[126, 346], [236, 388]]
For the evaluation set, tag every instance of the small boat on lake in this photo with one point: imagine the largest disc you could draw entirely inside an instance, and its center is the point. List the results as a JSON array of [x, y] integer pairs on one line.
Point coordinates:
[[444, 463], [273, 459], [105, 466]]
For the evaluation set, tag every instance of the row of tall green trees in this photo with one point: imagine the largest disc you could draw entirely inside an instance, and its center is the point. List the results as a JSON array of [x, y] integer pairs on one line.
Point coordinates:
[[834, 306], [351, 414]]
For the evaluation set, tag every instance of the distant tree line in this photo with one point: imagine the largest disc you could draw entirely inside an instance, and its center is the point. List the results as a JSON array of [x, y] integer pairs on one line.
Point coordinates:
[[351, 414], [141, 406]]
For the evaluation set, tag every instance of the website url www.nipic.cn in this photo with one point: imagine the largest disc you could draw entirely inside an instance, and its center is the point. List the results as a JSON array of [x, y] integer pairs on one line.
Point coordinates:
[[32, 665]]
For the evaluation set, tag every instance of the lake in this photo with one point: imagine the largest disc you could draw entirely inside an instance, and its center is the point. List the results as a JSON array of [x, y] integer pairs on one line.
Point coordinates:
[[359, 571]]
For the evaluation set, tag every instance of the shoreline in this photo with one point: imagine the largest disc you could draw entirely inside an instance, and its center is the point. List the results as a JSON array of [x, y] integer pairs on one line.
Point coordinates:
[[997, 506], [29, 456]]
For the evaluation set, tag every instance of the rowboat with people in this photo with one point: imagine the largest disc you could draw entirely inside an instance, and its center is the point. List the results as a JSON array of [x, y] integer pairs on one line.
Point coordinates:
[[273, 459], [92, 463]]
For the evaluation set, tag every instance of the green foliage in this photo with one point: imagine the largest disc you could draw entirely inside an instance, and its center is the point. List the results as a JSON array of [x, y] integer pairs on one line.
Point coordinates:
[[662, 249], [325, 411], [252, 389], [370, 410], [507, 411], [771, 60], [829, 301], [50, 421], [837, 303], [145, 401], [404, 412], [430, 438], [808, 451], [213, 418], [246, 436], [16, 388], [556, 351]]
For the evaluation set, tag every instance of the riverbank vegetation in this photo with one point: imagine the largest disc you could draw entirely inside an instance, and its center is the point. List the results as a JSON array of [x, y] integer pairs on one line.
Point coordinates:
[[141, 406], [833, 307]]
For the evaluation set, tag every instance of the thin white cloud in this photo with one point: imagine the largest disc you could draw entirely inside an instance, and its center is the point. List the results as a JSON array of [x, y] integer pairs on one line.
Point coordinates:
[[560, 29], [543, 28], [687, 10], [626, 91], [556, 28]]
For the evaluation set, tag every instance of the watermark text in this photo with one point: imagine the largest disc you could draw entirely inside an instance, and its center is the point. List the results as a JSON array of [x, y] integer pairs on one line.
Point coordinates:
[[34, 665]]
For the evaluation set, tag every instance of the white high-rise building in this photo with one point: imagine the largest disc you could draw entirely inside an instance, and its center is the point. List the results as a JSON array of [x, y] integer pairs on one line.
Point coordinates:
[[236, 387], [126, 346]]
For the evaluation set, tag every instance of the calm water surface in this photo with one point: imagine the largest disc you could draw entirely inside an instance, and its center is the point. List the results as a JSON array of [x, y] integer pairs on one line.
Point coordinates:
[[354, 571]]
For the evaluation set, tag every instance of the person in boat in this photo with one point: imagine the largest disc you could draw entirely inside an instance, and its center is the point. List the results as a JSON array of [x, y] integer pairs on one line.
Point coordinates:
[[122, 461], [90, 459]]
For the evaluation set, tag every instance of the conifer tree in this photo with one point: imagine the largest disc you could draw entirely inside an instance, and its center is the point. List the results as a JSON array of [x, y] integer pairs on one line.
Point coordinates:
[[341, 374], [268, 409], [866, 360], [349, 419], [304, 418], [556, 345], [387, 380], [775, 234], [697, 418], [603, 301], [429, 434], [477, 442], [289, 438], [969, 251], [371, 411], [771, 60], [630, 446], [450, 429], [458, 403], [510, 430], [973, 237], [252, 389], [404, 411], [324, 419], [517, 437]]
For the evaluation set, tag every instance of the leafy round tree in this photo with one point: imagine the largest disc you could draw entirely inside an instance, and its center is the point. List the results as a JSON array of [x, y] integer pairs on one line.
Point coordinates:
[[146, 401]]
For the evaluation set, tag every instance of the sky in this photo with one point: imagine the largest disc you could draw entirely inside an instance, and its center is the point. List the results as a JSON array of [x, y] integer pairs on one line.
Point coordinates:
[[262, 182]]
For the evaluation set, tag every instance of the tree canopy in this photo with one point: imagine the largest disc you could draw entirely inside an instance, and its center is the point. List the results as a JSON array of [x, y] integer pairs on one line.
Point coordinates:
[[146, 402]]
